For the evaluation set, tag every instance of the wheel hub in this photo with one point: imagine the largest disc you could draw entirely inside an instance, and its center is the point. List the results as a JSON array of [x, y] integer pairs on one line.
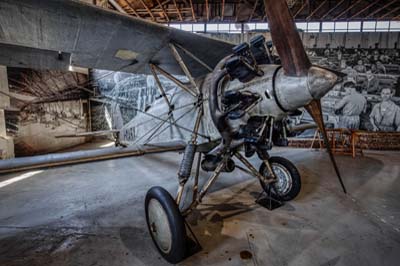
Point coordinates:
[[283, 183], [159, 226]]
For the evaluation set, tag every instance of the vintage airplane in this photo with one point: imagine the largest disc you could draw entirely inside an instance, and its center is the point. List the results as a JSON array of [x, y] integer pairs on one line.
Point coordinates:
[[234, 97]]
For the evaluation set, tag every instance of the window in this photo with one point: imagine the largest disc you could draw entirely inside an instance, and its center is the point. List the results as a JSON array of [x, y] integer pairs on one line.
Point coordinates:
[[249, 26], [369, 26], [328, 27], [394, 25], [212, 27], [187, 27], [341, 27], [313, 27], [198, 27], [301, 26], [262, 26], [354, 26], [223, 28], [382, 26], [235, 28], [176, 26]]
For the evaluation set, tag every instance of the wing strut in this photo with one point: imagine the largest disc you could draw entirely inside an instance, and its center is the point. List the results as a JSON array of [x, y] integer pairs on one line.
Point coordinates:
[[174, 80], [183, 66], [198, 60], [160, 87]]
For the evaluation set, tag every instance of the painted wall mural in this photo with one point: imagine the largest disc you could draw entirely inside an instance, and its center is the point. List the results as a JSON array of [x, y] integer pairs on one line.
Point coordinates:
[[45, 104], [125, 96]]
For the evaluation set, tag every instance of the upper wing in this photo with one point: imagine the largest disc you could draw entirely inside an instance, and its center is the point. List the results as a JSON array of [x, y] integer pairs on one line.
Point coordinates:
[[54, 34]]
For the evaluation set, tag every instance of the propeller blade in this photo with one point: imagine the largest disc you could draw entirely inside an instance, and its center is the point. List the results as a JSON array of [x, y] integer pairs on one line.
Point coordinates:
[[339, 74], [315, 110], [286, 39]]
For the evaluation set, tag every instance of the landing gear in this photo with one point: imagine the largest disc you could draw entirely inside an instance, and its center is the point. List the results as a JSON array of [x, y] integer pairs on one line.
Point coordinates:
[[165, 224], [288, 183]]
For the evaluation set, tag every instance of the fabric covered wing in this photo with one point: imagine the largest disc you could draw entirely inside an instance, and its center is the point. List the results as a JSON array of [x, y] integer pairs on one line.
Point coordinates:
[[93, 37]]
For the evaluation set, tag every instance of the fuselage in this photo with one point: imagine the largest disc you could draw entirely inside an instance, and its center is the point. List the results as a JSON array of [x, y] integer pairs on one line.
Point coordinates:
[[279, 94]]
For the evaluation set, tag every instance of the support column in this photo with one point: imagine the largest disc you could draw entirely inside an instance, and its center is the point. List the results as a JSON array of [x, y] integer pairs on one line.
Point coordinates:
[[6, 143]]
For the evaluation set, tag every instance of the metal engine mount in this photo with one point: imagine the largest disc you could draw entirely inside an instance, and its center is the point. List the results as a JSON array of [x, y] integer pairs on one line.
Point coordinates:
[[230, 109]]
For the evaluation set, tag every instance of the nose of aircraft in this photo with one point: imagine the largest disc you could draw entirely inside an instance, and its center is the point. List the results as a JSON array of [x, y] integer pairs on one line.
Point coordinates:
[[320, 81], [296, 92]]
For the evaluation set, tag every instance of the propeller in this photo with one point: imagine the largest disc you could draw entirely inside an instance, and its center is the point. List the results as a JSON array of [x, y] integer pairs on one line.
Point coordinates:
[[315, 110], [295, 63], [286, 39]]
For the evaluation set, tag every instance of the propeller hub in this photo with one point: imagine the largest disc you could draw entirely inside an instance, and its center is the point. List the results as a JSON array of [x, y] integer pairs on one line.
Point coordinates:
[[320, 82], [295, 92]]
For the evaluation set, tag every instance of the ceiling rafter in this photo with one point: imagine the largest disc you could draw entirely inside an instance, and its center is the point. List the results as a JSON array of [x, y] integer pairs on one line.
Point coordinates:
[[163, 10], [382, 8], [223, 10], [364, 9], [237, 11], [316, 10], [333, 9], [348, 9], [178, 11], [254, 10], [389, 12], [148, 10], [132, 8], [117, 6], [207, 11], [167, 11], [193, 14], [301, 8]]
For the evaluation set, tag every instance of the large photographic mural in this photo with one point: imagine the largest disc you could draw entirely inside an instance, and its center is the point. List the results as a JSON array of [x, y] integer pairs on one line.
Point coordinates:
[[368, 98]]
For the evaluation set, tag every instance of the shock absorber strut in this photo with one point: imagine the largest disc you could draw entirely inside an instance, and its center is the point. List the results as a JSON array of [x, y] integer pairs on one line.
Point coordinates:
[[186, 164], [185, 167]]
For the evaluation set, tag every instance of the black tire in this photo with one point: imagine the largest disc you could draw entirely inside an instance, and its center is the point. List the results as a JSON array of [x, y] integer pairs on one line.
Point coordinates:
[[177, 248], [293, 189]]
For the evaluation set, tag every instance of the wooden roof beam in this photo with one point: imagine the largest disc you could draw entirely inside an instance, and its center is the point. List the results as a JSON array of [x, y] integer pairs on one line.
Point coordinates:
[[192, 8], [207, 11], [364, 9], [332, 9], [316, 10], [389, 12], [178, 11], [347, 9], [163, 10], [382, 8], [237, 5], [254, 10], [132, 8], [148, 10], [117, 6], [222, 10], [160, 4], [301, 8]]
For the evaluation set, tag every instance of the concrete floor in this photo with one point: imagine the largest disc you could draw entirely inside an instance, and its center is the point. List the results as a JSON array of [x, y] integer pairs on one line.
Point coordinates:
[[92, 214]]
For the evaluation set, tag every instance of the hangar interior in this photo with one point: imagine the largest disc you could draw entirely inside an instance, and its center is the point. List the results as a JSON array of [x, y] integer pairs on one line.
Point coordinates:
[[226, 132]]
